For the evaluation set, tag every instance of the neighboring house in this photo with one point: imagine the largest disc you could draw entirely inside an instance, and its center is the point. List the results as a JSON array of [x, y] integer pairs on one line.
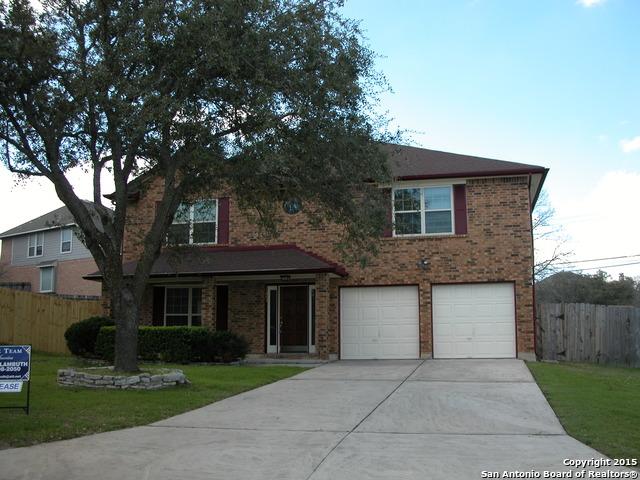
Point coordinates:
[[453, 278], [47, 254]]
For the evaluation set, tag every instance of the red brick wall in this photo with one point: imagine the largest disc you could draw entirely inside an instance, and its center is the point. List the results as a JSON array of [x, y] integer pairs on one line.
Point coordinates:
[[497, 248], [68, 280]]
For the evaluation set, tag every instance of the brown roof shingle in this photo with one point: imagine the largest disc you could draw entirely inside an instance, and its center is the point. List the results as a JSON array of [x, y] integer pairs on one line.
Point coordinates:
[[413, 163], [275, 259]]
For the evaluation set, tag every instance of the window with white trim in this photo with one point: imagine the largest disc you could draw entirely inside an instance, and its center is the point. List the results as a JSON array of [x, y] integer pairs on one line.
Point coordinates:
[[195, 223], [66, 235], [36, 244], [183, 306], [423, 211], [47, 279]]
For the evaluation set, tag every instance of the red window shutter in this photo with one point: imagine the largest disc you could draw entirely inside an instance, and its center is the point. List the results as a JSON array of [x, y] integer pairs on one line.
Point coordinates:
[[460, 208], [388, 228], [223, 220]]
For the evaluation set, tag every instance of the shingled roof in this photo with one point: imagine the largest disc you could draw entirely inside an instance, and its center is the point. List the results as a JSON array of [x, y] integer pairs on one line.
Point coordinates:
[[416, 163], [273, 259], [60, 217], [412, 163]]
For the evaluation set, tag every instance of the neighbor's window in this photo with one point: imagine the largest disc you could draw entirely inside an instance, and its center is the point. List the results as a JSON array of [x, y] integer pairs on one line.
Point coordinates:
[[195, 223], [47, 279], [36, 242], [65, 240], [183, 306], [423, 210]]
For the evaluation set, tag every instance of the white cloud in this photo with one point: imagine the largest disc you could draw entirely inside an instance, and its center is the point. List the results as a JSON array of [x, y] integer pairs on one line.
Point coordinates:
[[630, 145], [590, 3]]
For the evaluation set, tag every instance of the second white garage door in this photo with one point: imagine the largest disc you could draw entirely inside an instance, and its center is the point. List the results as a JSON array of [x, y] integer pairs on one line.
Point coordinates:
[[379, 322], [474, 321]]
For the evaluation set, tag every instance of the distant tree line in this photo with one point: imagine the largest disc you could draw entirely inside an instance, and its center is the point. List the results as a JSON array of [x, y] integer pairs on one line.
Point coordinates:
[[571, 287]]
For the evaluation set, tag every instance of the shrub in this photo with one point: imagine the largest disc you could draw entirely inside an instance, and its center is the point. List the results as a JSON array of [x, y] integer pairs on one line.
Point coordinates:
[[225, 346], [81, 336], [178, 344]]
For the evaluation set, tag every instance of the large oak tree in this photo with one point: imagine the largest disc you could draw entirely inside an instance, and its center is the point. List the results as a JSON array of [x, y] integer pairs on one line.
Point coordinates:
[[271, 99]]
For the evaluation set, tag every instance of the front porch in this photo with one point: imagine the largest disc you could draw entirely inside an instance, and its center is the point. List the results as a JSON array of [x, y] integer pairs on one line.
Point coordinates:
[[277, 296], [285, 317]]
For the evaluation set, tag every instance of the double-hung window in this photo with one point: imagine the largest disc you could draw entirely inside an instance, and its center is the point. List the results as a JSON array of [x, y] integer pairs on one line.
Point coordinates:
[[66, 235], [423, 211], [195, 223], [36, 244], [183, 306], [47, 279]]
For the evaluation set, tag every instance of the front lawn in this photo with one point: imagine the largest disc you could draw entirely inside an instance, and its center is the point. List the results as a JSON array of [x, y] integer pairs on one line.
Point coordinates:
[[58, 413], [598, 405]]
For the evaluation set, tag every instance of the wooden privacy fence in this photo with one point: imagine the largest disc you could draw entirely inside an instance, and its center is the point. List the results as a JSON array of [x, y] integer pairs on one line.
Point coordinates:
[[580, 332], [41, 320]]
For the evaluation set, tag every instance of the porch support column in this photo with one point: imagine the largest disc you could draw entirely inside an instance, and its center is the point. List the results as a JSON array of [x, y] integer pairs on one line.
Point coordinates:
[[209, 302], [323, 325]]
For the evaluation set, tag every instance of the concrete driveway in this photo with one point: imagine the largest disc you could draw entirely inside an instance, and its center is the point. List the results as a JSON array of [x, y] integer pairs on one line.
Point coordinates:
[[444, 419]]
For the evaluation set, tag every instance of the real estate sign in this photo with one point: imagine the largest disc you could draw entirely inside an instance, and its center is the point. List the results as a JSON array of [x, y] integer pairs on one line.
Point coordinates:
[[15, 363]]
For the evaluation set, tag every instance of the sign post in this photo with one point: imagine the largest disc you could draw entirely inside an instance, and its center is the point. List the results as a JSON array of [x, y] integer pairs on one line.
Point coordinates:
[[15, 369]]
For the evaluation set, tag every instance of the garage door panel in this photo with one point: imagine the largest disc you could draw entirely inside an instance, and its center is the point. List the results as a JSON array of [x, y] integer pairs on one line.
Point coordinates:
[[494, 330], [384, 324], [475, 320]]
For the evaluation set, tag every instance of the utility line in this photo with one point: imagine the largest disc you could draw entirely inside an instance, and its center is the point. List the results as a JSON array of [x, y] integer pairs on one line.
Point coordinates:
[[602, 267], [597, 259]]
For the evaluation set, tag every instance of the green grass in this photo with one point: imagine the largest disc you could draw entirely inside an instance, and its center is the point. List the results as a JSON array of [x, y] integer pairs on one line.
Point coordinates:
[[598, 405], [62, 412]]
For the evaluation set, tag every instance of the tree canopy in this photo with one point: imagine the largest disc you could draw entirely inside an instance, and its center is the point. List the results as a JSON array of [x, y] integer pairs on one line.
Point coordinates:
[[599, 289], [273, 99]]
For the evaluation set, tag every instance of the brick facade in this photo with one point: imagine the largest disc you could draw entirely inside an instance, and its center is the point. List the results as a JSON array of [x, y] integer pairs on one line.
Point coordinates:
[[68, 274], [496, 248]]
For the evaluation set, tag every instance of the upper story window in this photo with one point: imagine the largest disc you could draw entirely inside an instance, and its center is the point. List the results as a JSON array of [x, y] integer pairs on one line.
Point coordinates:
[[423, 211], [66, 235], [36, 244], [195, 223]]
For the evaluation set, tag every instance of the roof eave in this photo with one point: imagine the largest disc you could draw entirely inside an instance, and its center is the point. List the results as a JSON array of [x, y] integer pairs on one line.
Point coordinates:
[[537, 194], [494, 173], [17, 234], [280, 271]]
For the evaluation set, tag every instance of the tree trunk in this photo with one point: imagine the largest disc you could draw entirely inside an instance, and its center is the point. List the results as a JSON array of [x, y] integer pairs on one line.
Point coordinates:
[[125, 314]]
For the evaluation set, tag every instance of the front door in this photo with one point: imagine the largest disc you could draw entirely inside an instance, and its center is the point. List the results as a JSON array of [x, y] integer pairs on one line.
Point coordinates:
[[294, 319]]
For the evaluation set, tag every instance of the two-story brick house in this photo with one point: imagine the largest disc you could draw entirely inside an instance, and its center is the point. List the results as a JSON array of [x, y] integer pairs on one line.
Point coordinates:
[[453, 277], [47, 256]]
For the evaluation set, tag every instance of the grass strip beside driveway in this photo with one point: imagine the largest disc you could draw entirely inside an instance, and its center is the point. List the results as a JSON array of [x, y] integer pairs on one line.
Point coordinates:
[[598, 405], [59, 413]]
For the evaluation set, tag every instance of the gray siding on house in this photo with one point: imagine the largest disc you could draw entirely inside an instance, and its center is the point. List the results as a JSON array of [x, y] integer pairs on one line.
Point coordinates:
[[51, 249]]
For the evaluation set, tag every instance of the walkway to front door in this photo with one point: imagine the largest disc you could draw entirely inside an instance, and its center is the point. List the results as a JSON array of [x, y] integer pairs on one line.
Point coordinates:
[[291, 319]]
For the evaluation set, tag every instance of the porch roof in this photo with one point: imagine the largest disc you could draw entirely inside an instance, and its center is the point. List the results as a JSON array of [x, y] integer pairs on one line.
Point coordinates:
[[272, 259]]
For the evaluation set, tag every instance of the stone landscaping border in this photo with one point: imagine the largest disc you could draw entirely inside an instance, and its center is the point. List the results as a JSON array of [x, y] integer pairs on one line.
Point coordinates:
[[70, 377]]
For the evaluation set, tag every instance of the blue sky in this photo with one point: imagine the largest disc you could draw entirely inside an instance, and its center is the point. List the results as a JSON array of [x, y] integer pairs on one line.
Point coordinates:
[[548, 82]]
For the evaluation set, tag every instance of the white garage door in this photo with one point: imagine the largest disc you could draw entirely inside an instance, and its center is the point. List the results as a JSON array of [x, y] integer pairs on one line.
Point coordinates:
[[379, 322], [474, 321]]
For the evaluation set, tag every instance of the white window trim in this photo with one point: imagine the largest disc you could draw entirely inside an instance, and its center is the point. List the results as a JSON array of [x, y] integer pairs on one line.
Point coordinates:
[[53, 279], [276, 288], [273, 348], [423, 210], [312, 346], [62, 252], [190, 308], [35, 246], [191, 222]]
